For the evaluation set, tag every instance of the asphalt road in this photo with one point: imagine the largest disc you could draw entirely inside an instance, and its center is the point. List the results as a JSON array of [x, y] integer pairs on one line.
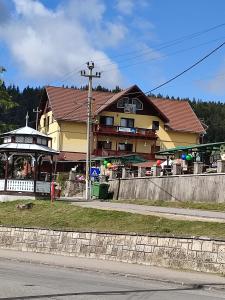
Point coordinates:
[[21, 280]]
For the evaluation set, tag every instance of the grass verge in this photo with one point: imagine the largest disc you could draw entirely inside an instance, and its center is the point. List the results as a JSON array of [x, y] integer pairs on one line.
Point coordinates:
[[70, 217], [177, 204]]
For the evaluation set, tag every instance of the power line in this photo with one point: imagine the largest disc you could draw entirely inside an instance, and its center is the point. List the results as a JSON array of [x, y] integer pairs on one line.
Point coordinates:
[[172, 42], [147, 52], [188, 69], [162, 46], [164, 56], [180, 74]]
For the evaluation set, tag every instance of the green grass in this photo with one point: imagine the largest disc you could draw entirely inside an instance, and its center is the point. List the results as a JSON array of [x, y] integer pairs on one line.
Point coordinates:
[[177, 204], [70, 217]]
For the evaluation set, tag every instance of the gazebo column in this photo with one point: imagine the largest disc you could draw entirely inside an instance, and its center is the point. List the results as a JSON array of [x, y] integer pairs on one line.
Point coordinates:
[[6, 170], [35, 172], [12, 171], [39, 167], [52, 168]]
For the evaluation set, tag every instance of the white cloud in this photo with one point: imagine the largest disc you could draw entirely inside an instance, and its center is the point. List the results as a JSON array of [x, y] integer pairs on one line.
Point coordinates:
[[215, 84], [48, 43], [30, 8], [125, 6]]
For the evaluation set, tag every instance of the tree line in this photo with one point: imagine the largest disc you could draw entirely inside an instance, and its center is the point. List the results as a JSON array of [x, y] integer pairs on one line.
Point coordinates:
[[15, 103]]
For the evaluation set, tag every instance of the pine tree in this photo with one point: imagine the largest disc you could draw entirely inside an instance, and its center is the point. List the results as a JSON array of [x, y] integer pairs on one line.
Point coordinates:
[[6, 103]]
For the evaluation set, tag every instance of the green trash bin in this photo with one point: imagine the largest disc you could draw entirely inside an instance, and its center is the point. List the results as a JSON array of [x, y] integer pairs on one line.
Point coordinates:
[[95, 189], [100, 190]]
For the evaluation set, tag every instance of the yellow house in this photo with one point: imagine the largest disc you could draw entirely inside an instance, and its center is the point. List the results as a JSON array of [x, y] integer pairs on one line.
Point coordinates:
[[127, 122]]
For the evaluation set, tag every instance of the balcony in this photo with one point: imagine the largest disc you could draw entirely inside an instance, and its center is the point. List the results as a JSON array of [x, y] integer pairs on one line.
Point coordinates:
[[104, 153], [125, 131]]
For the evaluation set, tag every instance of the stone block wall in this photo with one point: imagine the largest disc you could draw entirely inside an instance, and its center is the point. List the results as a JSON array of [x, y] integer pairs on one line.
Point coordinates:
[[199, 254]]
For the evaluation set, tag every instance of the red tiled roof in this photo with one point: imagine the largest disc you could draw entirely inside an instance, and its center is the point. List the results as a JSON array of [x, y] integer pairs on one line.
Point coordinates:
[[71, 105], [71, 156], [180, 114]]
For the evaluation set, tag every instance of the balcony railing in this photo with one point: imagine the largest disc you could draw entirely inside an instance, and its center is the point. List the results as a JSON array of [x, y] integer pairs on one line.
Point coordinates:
[[104, 153], [128, 131]]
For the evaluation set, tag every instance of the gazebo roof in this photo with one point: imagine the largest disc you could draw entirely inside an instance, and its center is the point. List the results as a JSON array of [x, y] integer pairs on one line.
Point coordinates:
[[27, 148], [26, 130], [17, 144]]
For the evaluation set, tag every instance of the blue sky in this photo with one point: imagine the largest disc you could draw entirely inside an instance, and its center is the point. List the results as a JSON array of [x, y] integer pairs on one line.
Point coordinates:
[[131, 42]]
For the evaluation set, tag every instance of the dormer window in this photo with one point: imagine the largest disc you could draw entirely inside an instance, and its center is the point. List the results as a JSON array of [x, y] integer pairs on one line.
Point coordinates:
[[28, 139], [7, 139], [19, 139], [130, 102], [122, 102], [138, 103], [24, 139], [42, 141]]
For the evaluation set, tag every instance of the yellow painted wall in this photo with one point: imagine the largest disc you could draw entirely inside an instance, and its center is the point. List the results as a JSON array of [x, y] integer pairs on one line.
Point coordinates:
[[166, 138], [53, 131], [140, 145], [66, 136], [170, 139], [141, 121], [71, 136]]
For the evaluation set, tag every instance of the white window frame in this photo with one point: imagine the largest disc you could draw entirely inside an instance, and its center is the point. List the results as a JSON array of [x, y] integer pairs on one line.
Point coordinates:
[[121, 103]]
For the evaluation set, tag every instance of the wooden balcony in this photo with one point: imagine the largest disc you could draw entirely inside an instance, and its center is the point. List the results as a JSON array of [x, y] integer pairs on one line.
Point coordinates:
[[124, 131]]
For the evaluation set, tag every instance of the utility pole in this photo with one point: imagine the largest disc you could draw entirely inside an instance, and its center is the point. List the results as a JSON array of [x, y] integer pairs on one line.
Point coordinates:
[[37, 111], [90, 75]]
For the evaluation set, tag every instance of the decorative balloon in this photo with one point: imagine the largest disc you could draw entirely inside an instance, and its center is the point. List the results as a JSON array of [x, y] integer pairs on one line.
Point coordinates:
[[105, 162], [158, 162], [189, 157], [183, 156], [109, 165]]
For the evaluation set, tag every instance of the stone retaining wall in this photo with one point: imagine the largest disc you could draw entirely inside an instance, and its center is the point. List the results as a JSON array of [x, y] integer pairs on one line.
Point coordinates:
[[196, 188], [199, 254]]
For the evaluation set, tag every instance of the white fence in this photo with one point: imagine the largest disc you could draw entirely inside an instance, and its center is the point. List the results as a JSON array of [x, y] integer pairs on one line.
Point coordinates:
[[20, 185], [25, 186], [2, 184]]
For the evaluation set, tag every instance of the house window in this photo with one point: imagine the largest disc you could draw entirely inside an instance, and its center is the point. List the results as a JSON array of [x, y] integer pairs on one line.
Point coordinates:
[[125, 147], [105, 145], [48, 122], [109, 121], [121, 103], [125, 122], [137, 103], [155, 125]]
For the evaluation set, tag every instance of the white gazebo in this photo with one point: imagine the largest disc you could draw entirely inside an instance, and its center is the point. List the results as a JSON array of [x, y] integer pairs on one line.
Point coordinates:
[[21, 172]]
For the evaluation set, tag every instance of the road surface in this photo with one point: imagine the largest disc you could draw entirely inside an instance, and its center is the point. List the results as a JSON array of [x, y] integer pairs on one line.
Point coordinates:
[[23, 280]]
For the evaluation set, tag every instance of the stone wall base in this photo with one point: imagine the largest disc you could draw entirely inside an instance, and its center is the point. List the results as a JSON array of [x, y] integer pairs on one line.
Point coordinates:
[[198, 254]]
